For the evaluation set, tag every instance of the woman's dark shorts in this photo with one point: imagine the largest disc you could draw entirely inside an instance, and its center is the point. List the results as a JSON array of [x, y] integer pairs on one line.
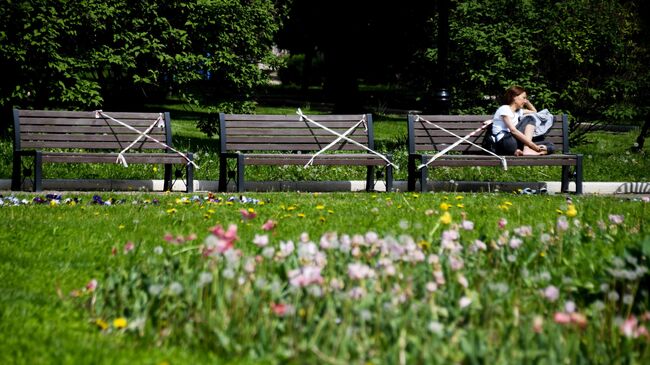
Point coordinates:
[[509, 144]]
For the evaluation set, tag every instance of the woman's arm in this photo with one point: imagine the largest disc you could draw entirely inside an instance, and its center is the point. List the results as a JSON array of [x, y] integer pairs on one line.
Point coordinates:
[[529, 108], [520, 136]]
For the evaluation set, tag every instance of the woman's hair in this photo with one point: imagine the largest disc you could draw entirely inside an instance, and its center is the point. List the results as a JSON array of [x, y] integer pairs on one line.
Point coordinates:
[[512, 93]]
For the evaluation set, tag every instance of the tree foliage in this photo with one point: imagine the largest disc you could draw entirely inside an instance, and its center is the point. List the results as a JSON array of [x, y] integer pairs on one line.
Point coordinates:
[[91, 53], [582, 57]]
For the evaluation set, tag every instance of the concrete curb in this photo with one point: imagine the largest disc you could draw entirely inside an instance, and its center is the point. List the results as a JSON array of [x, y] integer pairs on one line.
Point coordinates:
[[552, 187]]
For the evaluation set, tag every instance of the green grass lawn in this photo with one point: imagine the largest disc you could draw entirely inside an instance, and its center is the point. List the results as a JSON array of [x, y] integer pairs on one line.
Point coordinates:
[[508, 301]]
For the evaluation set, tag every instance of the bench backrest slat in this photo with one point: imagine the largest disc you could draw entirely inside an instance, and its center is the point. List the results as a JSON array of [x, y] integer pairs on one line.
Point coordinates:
[[47, 129], [249, 132], [424, 136]]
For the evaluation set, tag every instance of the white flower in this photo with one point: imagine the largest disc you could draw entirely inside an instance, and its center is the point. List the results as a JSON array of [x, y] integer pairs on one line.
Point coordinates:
[[464, 302], [175, 288], [205, 278]]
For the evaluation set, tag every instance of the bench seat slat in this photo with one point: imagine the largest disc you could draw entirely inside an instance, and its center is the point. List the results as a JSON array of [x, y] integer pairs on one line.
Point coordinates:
[[88, 122], [343, 125], [316, 141], [287, 147], [140, 158], [128, 138], [322, 159], [85, 114], [88, 145]]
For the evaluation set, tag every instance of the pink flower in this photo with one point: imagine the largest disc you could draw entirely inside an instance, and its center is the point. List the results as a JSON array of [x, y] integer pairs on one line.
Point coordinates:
[[261, 240], [616, 218], [515, 242], [628, 327], [269, 225], [358, 271], [562, 224], [538, 324], [575, 318], [551, 293], [281, 309], [578, 319], [467, 225], [502, 223], [562, 318], [229, 235], [305, 276], [92, 285], [128, 247], [247, 214]]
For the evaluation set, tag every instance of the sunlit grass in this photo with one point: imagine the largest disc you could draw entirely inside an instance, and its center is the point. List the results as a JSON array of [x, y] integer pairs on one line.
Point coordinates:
[[51, 251]]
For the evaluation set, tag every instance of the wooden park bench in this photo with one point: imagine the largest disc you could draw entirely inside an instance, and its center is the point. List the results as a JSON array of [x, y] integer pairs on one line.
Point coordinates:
[[425, 140], [94, 137], [296, 140]]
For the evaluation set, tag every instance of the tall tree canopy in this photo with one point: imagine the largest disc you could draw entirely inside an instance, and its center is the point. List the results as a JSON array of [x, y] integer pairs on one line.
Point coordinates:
[[90, 53]]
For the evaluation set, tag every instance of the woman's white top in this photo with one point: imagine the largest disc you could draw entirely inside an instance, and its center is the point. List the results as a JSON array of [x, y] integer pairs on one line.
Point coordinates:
[[499, 125]]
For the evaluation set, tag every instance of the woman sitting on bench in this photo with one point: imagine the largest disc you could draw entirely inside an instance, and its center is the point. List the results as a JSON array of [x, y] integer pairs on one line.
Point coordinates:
[[511, 137]]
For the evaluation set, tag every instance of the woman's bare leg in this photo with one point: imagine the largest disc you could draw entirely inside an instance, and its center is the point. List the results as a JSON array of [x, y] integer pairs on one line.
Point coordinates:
[[528, 132]]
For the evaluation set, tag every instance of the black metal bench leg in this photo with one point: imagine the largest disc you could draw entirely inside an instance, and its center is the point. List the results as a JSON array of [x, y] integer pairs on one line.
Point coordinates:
[[423, 177], [389, 178], [16, 173], [564, 187], [223, 174], [167, 184], [411, 174], [38, 171], [579, 174], [189, 174], [240, 173], [370, 178]]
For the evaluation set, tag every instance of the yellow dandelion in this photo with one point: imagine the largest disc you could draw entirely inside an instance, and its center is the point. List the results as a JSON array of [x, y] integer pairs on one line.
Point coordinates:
[[558, 211], [119, 323], [424, 244], [230, 203], [301, 215], [251, 210], [542, 254], [445, 218], [416, 196], [571, 211], [101, 324], [121, 226], [291, 207], [171, 211], [459, 197], [444, 206], [507, 203], [322, 219], [211, 211], [320, 207], [460, 205], [330, 211]]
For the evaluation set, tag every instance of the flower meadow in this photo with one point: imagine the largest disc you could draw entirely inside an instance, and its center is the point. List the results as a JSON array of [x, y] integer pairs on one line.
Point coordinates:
[[352, 277]]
